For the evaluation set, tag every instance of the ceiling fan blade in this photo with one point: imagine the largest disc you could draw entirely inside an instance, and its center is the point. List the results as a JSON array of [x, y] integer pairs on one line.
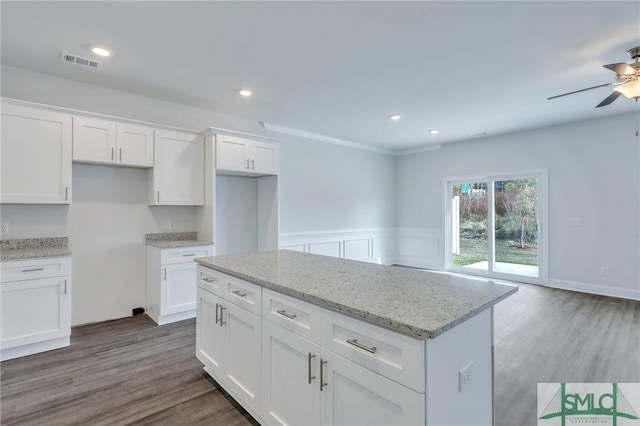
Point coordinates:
[[578, 91], [621, 68], [612, 97]]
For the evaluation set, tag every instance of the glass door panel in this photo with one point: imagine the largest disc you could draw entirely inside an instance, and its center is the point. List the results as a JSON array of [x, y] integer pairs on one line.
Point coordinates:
[[469, 237]]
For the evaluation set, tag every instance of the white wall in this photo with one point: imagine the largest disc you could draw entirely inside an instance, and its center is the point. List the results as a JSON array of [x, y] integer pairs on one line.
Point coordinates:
[[593, 174], [321, 188]]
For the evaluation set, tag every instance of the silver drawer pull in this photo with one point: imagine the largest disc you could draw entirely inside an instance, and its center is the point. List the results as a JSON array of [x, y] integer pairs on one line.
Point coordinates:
[[239, 293], [33, 270], [188, 255], [309, 376], [323, 384], [286, 314], [357, 344], [209, 280]]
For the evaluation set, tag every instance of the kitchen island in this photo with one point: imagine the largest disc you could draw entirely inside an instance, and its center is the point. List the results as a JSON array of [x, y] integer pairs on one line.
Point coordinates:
[[298, 338]]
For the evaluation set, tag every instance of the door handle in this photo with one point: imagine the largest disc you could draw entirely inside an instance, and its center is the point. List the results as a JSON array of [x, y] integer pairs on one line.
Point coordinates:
[[222, 322], [217, 319], [309, 376], [322, 382]]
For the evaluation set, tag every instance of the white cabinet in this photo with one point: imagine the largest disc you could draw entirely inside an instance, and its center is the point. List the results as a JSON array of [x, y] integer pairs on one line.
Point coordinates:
[[171, 282], [177, 177], [245, 156], [35, 313], [228, 339], [112, 143], [36, 155]]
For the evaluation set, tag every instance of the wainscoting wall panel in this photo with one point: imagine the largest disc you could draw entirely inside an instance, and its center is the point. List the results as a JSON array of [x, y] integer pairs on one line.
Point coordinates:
[[420, 247]]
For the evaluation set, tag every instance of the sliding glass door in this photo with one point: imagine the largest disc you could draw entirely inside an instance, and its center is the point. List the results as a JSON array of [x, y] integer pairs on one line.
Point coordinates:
[[494, 226]]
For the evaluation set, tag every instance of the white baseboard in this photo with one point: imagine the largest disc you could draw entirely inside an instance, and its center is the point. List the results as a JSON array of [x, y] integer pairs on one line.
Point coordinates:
[[625, 293]]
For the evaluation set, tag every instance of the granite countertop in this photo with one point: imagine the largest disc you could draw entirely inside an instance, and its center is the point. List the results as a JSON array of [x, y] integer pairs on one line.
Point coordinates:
[[31, 248], [176, 240], [418, 303]]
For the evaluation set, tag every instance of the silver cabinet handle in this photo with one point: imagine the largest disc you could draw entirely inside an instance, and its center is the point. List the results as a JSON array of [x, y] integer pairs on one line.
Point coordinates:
[[66, 193], [286, 314], [239, 293], [309, 376], [209, 280], [253, 164], [247, 164], [357, 344], [165, 274], [217, 319], [120, 154], [158, 196], [112, 154], [65, 287], [188, 255], [33, 270], [222, 322], [322, 382]]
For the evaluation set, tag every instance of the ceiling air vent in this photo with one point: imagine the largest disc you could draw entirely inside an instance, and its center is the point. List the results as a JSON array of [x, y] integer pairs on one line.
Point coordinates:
[[79, 60]]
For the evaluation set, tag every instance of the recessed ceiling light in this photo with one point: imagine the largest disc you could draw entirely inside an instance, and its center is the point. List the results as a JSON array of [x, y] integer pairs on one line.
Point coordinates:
[[395, 117], [245, 92], [102, 51], [434, 131], [479, 134]]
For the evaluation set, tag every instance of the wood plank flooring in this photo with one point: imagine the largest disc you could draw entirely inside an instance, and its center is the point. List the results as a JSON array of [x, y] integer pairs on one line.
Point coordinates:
[[132, 371]]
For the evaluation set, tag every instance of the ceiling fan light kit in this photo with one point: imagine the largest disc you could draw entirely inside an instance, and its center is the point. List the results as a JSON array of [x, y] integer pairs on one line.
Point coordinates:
[[627, 80]]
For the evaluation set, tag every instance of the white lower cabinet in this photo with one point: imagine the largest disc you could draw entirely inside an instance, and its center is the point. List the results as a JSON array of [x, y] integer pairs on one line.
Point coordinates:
[[228, 343], [35, 308]]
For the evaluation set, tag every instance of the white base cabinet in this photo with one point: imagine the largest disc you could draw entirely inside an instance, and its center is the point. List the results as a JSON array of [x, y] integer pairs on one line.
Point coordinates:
[[35, 308], [171, 282]]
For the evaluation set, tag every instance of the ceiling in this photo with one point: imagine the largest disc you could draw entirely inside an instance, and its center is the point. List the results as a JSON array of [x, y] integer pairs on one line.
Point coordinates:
[[340, 69]]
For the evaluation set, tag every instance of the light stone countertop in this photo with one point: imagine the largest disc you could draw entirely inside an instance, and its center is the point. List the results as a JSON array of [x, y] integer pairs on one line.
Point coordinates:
[[179, 243], [32, 248], [175, 240], [415, 302]]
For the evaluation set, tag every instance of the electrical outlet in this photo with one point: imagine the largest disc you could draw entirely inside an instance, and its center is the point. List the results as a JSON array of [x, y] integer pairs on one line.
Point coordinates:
[[574, 221], [604, 271], [465, 377], [4, 228], [167, 224]]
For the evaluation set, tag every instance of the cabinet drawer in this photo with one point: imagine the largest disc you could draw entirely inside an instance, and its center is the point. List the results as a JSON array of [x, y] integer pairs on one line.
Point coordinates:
[[19, 270], [244, 294], [299, 317], [396, 356], [184, 254], [210, 280]]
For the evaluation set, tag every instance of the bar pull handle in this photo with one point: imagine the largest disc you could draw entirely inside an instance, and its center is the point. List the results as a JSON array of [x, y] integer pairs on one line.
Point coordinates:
[[209, 280], [286, 314], [322, 382], [247, 164], [188, 255], [354, 342], [33, 270], [120, 154], [111, 153], [239, 293], [158, 196], [165, 274], [65, 287], [66, 193], [309, 376], [217, 319], [253, 164], [222, 322]]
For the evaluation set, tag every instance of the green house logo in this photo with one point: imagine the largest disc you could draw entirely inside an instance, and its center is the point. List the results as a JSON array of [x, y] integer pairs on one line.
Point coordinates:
[[588, 403]]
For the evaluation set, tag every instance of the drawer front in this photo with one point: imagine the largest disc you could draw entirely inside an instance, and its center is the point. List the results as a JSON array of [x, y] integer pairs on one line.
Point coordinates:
[[210, 280], [19, 270], [393, 355], [299, 317], [244, 294], [184, 254]]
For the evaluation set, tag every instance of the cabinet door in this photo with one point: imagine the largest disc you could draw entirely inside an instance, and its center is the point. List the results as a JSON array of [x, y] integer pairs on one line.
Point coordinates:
[[232, 153], [354, 395], [134, 145], [243, 375], [36, 156], [264, 158], [178, 289], [178, 172], [34, 311], [94, 140], [290, 383], [211, 349]]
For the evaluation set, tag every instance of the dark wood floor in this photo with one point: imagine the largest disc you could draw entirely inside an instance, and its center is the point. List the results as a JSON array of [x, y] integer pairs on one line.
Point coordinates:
[[132, 371]]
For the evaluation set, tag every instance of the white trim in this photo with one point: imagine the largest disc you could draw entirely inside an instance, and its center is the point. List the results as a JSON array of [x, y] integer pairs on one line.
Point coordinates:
[[430, 147], [212, 131], [420, 248], [625, 293], [324, 138]]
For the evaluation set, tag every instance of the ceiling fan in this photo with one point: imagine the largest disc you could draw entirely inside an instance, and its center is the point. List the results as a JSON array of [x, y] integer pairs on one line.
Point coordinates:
[[627, 80]]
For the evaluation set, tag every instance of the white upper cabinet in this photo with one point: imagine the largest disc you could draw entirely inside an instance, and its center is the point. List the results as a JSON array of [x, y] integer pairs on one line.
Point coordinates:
[[177, 177], [36, 155], [246, 157], [108, 142]]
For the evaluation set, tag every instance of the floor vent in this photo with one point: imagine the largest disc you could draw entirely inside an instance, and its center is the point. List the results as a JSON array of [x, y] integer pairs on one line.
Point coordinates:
[[79, 60]]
